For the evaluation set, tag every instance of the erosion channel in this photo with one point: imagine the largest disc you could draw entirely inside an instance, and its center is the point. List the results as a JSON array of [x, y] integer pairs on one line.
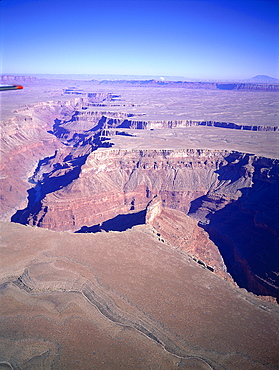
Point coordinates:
[[226, 199]]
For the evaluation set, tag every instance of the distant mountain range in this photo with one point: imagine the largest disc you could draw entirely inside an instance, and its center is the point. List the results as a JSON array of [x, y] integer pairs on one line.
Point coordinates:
[[263, 79], [132, 79]]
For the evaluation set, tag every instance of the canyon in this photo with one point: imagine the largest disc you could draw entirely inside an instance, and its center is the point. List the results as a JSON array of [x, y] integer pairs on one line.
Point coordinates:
[[93, 169]]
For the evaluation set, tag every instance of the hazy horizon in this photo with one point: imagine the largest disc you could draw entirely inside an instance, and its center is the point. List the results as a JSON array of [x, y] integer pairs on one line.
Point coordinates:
[[205, 40], [116, 77]]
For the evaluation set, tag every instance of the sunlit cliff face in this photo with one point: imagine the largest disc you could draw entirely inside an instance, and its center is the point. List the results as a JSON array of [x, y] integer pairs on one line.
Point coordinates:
[[81, 182]]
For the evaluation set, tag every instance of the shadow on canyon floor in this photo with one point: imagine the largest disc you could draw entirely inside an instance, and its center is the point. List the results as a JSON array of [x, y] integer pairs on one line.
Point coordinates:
[[246, 233], [48, 185], [118, 223]]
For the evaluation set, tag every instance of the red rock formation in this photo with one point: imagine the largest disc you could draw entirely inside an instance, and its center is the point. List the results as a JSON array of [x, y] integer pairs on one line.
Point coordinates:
[[183, 232], [117, 181], [203, 183], [23, 144], [24, 141], [75, 188]]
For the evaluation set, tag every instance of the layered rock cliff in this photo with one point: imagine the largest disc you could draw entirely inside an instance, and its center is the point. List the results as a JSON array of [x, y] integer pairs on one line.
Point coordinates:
[[118, 181], [72, 185], [202, 183], [196, 181], [26, 139], [93, 120], [182, 232], [23, 142]]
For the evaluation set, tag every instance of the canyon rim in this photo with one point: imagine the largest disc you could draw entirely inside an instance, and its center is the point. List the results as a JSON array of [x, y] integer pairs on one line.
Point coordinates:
[[139, 225]]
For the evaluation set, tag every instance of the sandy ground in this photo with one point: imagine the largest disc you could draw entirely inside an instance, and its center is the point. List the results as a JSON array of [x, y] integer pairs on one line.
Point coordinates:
[[121, 301]]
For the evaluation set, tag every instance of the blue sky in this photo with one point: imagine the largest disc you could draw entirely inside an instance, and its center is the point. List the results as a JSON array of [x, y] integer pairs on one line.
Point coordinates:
[[195, 39]]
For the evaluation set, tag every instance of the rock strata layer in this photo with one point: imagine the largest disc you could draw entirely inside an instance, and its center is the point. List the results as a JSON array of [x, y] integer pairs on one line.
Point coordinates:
[[183, 232], [77, 181], [201, 183]]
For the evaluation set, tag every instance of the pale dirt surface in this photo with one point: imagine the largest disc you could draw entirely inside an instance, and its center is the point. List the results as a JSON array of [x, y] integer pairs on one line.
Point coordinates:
[[31, 94], [260, 143], [251, 108], [240, 107], [48, 322]]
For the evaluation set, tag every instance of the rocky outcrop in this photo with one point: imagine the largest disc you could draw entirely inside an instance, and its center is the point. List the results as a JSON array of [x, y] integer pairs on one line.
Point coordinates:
[[24, 141], [202, 183], [234, 126], [95, 98], [245, 226], [117, 181], [27, 138], [246, 232], [109, 120], [153, 210], [182, 232], [72, 185]]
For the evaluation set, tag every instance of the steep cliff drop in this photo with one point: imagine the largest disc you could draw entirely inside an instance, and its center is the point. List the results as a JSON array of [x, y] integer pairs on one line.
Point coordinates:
[[229, 196]]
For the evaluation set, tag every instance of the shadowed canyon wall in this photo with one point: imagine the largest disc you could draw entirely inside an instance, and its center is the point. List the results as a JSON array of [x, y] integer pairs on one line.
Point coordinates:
[[107, 120], [230, 194]]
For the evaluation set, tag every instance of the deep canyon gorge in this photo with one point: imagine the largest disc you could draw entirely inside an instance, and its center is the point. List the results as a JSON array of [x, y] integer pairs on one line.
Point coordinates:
[[81, 166], [87, 182]]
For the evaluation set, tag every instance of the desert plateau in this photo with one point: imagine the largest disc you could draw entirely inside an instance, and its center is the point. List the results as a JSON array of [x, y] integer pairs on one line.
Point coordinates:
[[139, 225]]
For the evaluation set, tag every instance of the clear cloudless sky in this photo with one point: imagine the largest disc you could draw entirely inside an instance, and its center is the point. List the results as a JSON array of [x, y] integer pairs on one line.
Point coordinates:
[[214, 39]]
